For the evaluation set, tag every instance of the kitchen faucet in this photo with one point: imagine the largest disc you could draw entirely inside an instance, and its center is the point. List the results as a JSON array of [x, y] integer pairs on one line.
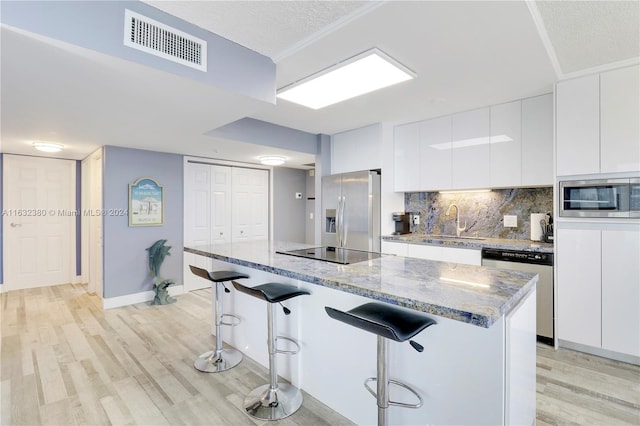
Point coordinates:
[[458, 229]]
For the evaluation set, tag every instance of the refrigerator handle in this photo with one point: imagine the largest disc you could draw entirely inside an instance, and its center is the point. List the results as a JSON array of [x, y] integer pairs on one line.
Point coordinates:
[[339, 222], [345, 231]]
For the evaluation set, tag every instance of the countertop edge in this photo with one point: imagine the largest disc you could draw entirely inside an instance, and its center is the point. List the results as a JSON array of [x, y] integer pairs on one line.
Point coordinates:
[[484, 321]]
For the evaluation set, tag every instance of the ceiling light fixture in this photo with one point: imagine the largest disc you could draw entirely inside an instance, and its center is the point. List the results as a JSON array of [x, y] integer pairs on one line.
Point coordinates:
[[47, 146], [363, 73], [272, 160]]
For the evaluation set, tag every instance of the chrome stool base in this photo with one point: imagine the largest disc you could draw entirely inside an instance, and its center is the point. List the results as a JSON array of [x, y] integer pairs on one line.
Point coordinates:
[[266, 403], [225, 359]]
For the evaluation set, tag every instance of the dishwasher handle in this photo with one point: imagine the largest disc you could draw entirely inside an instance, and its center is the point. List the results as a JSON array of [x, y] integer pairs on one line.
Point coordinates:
[[519, 256]]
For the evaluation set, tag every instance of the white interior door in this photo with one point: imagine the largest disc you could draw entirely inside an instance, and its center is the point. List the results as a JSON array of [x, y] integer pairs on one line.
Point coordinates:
[[38, 221]]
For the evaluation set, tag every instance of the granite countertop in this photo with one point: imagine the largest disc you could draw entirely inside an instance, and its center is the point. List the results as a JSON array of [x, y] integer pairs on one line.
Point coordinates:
[[499, 243], [471, 294]]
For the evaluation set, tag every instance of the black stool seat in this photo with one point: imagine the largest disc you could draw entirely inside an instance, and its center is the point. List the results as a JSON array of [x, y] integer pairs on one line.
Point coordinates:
[[383, 320], [388, 322], [217, 276], [271, 292]]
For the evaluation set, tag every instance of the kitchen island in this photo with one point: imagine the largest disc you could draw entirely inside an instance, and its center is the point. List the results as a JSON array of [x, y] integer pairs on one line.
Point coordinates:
[[478, 366]]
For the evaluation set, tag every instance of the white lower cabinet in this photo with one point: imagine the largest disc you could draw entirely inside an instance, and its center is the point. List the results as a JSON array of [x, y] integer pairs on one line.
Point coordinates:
[[621, 291], [399, 249], [599, 288], [443, 254], [579, 271]]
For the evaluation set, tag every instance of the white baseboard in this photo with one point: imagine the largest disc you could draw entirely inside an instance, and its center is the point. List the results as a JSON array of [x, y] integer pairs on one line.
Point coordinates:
[[132, 299], [604, 353]]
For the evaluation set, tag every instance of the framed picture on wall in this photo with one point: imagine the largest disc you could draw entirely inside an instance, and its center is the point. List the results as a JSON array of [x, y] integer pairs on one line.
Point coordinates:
[[146, 203]]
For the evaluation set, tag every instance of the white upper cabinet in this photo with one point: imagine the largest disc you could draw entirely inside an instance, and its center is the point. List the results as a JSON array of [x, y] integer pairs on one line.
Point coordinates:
[[598, 123], [506, 145], [471, 152], [406, 157], [357, 149], [537, 141], [620, 120], [578, 126], [435, 154]]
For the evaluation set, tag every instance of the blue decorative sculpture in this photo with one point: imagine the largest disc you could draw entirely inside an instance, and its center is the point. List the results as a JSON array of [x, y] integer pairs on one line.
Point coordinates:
[[157, 252]]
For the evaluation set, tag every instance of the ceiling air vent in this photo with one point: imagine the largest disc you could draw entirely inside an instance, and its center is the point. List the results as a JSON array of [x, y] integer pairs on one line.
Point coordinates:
[[161, 40]]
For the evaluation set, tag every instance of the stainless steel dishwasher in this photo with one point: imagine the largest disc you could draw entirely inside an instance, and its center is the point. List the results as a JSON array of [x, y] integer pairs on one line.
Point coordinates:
[[527, 261]]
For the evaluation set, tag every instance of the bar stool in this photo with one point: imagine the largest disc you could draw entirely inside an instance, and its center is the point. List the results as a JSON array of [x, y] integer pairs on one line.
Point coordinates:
[[218, 359], [273, 401], [387, 322]]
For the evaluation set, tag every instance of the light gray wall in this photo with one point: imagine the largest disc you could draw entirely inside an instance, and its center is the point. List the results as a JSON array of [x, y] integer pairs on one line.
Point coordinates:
[[260, 132], [126, 265], [98, 25], [310, 210], [289, 212], [1, 272]]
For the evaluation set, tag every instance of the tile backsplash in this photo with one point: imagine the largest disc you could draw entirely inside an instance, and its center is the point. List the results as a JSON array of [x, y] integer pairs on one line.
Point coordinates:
[[483, 211]]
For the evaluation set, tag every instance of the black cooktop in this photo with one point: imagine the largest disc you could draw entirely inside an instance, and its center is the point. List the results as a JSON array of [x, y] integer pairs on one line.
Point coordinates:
[[333, 254]]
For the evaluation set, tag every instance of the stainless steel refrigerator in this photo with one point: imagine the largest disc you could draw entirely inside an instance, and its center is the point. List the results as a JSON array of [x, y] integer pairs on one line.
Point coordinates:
[[351, 210]]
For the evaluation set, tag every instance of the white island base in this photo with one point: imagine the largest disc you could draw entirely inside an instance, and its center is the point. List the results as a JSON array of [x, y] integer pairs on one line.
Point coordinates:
[[467, 374]]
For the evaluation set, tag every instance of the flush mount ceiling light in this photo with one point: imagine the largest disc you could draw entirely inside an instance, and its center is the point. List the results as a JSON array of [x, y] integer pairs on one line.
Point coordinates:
[[47, 146], [364, 73], [272, 160]]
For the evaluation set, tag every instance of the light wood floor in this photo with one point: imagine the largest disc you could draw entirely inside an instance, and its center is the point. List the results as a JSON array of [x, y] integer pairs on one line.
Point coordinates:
[[65, 361]]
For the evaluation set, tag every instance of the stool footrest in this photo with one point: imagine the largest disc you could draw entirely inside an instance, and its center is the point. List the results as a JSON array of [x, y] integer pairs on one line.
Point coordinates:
[[397, 383], [230, 323], [281, 351]]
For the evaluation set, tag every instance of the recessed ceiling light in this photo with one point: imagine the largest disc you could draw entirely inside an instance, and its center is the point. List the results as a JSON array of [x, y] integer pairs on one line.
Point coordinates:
[[47, 146], [364, 73], [272, 160]]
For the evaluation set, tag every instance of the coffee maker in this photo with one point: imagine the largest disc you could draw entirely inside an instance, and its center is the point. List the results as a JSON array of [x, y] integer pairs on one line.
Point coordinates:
[[402, 221]]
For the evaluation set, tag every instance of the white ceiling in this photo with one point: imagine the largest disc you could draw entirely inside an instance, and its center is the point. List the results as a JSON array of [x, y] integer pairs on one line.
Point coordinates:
[[466, 55]]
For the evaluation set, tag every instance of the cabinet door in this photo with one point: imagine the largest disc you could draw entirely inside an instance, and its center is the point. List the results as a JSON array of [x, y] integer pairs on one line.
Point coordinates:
[[621, 291], [356, 150], [435, 154], [399, 249], [537, 141], [578, 126], [620, 120], [445, 254], [506, 130], [471, 153], [578, 265], [406, 168]]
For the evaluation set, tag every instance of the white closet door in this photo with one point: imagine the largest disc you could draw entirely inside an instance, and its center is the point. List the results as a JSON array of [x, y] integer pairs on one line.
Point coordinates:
[[221, 204], [197, 220], [250, 200]]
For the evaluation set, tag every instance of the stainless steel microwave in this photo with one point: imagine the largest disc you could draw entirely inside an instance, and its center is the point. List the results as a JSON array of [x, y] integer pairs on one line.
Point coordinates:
[[600, 198]]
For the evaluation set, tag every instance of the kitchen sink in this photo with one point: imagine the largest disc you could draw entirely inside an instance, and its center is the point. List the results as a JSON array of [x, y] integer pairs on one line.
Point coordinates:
[[457, 238]]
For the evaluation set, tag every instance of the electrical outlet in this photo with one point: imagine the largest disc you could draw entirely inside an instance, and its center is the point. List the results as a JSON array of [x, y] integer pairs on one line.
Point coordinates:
[[510, 221], [416, 220]]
